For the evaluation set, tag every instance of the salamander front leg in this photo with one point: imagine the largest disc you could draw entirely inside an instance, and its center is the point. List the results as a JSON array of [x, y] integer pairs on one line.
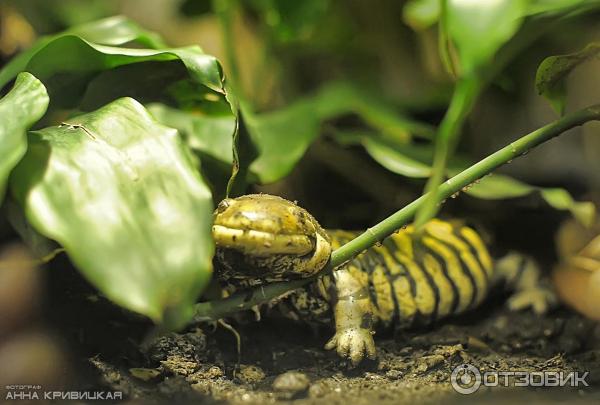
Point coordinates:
[[353, 337]]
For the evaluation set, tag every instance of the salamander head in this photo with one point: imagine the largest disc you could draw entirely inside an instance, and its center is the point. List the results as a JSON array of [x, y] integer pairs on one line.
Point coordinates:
[[266, 237]]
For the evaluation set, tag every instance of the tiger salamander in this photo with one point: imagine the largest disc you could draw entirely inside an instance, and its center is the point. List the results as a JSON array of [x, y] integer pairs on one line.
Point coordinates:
[[405, 280]]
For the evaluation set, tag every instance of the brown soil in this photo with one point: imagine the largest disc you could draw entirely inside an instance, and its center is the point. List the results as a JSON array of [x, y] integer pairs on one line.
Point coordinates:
[[282, 361]]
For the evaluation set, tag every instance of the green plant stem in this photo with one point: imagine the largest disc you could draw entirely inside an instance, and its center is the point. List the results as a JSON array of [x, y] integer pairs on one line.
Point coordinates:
[[224, 10], [217, 309], [461, 104], [466, 92]]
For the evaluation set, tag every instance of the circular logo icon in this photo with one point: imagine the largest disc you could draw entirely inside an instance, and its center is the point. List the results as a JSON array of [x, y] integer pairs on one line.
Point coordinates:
[[465, 379]]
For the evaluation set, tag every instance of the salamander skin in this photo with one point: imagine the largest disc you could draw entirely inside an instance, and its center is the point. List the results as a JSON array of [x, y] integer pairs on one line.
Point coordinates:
[[403, 281]]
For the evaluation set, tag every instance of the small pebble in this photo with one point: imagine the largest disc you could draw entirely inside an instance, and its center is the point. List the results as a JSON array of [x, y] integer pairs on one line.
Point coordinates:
[[426, 363], [250, 374], [291, 383], [144, 374], [214, 372], [318, 390], [393, 374]]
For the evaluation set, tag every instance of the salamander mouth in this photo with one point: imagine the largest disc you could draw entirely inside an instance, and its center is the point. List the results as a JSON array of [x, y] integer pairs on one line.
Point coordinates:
[[261, 243]]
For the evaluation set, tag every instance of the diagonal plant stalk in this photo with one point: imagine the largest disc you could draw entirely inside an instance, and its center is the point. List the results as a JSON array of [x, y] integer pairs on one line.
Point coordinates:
[[214, 310], [466, 93], [463, 99]]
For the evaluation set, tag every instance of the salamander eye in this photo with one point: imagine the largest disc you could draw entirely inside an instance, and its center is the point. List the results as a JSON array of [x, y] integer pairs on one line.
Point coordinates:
[[223, 205]]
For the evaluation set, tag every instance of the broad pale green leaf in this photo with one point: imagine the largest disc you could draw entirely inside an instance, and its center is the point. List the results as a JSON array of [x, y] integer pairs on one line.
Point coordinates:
[[403, 158], [19, 109], [553, 71], [209, 134], [583, 211], [66, 65], [117, 191], [84, 75], [498, 186], [112, 31], [406, 159], [395, 160], [117, 30], [281, 138], [479, 28]]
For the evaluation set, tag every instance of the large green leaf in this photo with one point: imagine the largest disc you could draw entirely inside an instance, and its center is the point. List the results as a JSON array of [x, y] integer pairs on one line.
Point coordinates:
[[113, 31], [81, 72], [281, 138], [19, 110], [479, 28], [117, 191], [209, 134], [68, 64], [117, 30], [552, 72]]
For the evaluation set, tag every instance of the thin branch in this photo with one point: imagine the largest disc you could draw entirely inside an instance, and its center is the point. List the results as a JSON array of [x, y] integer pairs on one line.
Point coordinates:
[[466, 93], [463, 99], [246, 300]]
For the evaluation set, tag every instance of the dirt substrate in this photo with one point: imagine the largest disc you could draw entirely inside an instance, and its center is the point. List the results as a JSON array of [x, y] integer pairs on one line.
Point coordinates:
[[282, 361]]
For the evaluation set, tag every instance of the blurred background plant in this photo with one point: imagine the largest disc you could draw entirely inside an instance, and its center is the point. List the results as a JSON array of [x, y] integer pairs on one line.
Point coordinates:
[[370, 67]]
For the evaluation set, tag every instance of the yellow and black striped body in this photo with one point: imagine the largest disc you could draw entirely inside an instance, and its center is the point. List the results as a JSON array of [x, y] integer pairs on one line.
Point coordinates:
[[405, 280], [410, 280], [417, 280]]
